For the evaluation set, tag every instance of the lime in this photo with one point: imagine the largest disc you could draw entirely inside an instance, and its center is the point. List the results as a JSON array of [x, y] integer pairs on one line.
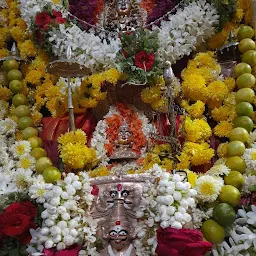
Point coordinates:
[[22, 110], [29, 132], [235, 179], [242, 68], [236, 163], [19, 99], [249, 57], [224, 214], [239, 133], [245, 32], [24, 122], [244, 109], [213, 232], [16, 86], [42, 163], [246, 80], [38, 152], [235, 148], [14, 74], [10, 64], [246, 45], [230, 194], [245, 94], [245, 122], [51, 174], [35, 142]]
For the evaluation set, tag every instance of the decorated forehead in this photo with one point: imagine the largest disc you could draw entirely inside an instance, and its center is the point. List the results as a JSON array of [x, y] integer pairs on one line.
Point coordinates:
[[119, 226]]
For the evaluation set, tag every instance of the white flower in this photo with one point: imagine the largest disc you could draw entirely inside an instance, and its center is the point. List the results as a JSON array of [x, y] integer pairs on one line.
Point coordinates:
[[3, 108], [65, 216], [21, 148], [22, 178], [249, 183], [55, 230], [62, 224], [61, 246], [208, 188], [37, 189], [250, 158], [176, 224], [219, 170], [26, 162], [7, 126], [7, 185], [49, 244]]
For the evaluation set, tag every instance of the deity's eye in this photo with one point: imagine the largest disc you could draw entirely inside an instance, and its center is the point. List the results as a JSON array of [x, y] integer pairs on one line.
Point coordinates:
[[125, 193], [112, 233], [123, 233], [113, 194]]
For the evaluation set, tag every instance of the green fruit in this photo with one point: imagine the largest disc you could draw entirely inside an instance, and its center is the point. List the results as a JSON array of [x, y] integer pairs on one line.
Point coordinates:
[[245, 94], [235, 148], [51, 174], [19, 99], [25, 122], [22, 110], [14, 74], [10, 64], [245, 122], [224, 214], [42, 163], [246, 45], [246, 80], [16, 86], [35, 142], [245, 32], [213, 232], [230, 195], [38, 152], [242, 68], [244, 109], [235, 179], [29, 132], [249, 57], [236, 163], [239, 133]]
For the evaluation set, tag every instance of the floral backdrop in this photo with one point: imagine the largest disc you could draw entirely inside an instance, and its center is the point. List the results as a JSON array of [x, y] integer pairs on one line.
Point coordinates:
[[44, 206]]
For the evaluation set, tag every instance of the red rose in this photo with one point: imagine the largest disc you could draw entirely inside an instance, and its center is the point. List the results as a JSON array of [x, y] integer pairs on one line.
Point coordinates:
[[144, 60], [60, 20], [25, 207], [16, 224], [181, 242], [73, 251], [56, 14], [42, 19]]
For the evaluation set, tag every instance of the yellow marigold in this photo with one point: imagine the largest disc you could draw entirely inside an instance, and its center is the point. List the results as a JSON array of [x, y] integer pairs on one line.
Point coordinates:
[[223, 113], [5, 93], [151, 94], [167, 164], [34, 77], [217, 41], [112, 76], [57, 1], [230, 100], [77, 156], [217, 90], [195, 110], [88, 102], [4, 53], [206, 59], [99, 172], [27, 49], [238, 16], [223, 128], [52, 91], [184, 161], [192, 177], [21, 24], [197, 130], [78, 137], [37, 117], [150, 160], [222, 150], [230, 83], [160, 105], [4, 33], [194, 87], [97, 94], [18, 34]]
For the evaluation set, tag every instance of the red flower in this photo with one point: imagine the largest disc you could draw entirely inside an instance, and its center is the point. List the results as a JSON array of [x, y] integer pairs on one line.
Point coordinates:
[[73, 251], [95, 190], [181, 242], [42, 19], [16, 224], [25, 207], [56, 14], [125, 53], [144, 60], [60, 20]]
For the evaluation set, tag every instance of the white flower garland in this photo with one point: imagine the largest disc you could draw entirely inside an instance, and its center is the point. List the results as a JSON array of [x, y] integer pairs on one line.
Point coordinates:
[[178, 36]]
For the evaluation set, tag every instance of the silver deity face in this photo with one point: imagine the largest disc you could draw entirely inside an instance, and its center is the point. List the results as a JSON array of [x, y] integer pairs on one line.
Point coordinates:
[[123, 7]]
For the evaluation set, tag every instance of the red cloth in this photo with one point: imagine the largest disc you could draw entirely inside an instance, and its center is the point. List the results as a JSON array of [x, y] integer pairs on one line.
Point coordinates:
[[181, 242], [67, 252], [54, 127]]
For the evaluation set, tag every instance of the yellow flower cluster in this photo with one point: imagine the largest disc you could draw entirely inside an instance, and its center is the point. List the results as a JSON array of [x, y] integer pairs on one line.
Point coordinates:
[[195, 154], [197, 130], [99, 172], [155, 158], [27, 49], [73, 151], [195, 110], [5, 93], [223, 128]]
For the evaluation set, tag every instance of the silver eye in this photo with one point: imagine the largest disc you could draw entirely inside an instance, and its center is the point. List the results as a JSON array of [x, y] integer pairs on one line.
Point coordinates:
[[112, 233], [113, 194], [123, 233]]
